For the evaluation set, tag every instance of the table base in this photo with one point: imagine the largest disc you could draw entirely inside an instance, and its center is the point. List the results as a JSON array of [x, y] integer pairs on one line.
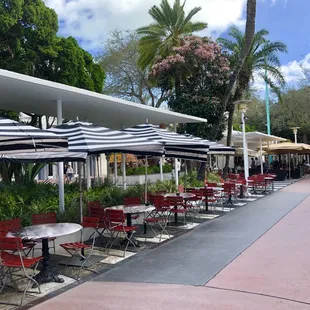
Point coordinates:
[[47, 275]]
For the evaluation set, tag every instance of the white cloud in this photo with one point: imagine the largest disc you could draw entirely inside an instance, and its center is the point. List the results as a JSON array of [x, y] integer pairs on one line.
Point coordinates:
[[91, 20], [293, 72]]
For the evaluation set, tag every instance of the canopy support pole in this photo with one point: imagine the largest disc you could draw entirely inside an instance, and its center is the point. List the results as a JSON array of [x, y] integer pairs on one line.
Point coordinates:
[[88, 180], [261, 157], [145, 184], [245, 150], [176, 172], [115, 169], [289, 165], [124, 171], [61, 185], [81, 190], [161, 169]]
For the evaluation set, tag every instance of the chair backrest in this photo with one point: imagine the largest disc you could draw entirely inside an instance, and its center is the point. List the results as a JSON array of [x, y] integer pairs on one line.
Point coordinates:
[[128, 201], [175, 201], [95, 204], [159, 202], [198, 193], [115, 216], [91, 222], [163, 192], [190, 189], [44, 218], [9, 225], [98, 213], [11, 244], [209, 192], [212, 184]]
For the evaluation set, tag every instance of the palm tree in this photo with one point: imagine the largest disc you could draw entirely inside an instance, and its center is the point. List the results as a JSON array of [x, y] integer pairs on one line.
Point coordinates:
[[262, 58], [262, 61], [170, 25]]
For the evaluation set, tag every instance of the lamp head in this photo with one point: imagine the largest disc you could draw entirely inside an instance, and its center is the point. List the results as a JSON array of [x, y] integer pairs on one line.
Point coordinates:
[[295, 129], [242, 105]]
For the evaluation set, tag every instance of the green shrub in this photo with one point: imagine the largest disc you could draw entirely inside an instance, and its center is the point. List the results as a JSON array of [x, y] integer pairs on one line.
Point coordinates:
[[150, 170]]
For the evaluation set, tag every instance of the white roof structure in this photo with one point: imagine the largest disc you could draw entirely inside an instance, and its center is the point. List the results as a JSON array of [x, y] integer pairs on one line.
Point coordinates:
[[28, 94], [254, 138]]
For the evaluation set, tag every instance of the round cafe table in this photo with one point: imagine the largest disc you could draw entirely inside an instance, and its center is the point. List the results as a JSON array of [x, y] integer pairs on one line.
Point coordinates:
[[44, 232]]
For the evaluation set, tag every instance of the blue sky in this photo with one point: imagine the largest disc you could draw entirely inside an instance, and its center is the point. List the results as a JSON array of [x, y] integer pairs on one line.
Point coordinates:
[[90, 21]]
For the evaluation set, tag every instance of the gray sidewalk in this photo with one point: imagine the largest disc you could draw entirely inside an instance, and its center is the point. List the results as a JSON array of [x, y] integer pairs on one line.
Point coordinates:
[[197, 256]]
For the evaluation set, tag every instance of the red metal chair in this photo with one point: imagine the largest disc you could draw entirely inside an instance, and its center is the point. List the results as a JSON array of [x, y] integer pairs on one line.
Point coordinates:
[[194, 203], [229, 193], [77, 249], [95, 204], [160, 215], [210, 197], [212, 185], [15, 225], [162, 192], [177, 206], [132, 201], [12, 264], [103, 225], [45, 218], [117, 220]]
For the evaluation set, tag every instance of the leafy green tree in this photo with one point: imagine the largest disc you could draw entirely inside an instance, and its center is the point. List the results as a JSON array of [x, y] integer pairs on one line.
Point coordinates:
[[125, 79], [28, 35], [170, 25]]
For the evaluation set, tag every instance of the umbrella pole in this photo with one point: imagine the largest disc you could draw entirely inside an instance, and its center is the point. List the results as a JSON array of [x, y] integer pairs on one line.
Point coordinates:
[[185, 175], [145, 184], [80, 190], [161, 169], [98, 168], [289, 165], [124, 170], [261, 157], [115, 169]]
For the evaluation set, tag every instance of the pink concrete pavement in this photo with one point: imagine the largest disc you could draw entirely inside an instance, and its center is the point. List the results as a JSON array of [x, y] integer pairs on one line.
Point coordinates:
[[128, 296], [278, 263]]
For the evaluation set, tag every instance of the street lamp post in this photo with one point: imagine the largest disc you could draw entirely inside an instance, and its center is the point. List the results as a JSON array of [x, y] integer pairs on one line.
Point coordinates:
[[242, 107], [295, 129]]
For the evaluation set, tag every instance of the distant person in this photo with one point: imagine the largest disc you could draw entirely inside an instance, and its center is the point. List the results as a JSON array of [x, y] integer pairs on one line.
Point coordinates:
[[253, 165], [69, 173], [257, 162]]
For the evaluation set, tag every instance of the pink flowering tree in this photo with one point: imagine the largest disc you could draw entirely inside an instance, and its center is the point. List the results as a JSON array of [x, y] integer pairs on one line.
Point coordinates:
[[196, 57], [198, 72]]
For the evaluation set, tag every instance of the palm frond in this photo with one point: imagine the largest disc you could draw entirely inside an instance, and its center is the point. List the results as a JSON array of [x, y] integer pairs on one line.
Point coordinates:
[[158, 16], [271, 47], [195, 26], [190, 15]]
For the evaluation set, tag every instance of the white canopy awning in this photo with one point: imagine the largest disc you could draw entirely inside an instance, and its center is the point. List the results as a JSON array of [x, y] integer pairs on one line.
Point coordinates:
[[32, 95]]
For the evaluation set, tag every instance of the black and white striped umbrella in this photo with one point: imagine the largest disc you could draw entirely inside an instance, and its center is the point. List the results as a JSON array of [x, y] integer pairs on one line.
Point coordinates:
[[199, 154], [166, 137], [18, 137], [86, 137]]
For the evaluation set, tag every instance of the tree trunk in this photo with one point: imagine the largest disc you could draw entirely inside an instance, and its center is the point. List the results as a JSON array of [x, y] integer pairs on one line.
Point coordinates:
[[202, 171], [229, 136], [249, 35]]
